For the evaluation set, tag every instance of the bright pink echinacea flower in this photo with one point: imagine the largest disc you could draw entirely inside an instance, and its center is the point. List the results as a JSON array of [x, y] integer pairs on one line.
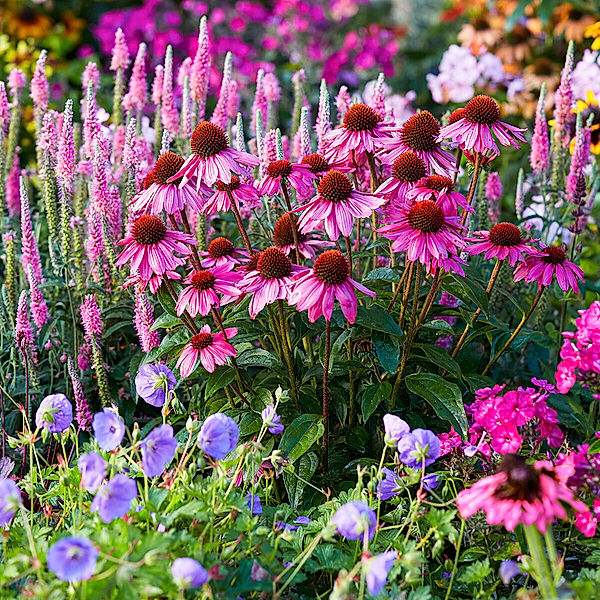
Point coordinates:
[[151, 248], [441, 189], [213, 350], [300, 177], [328, 280], [521, 493], [504, 241], [244, 195]]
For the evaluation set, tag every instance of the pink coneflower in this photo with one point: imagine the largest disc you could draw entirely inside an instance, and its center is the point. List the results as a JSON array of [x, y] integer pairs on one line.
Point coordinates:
[[545, 264], [213, 350], [212, 159], [283, 238], [299, 176], [419, 135], [440, 188], [426, 231], [272, 279], [407, 169], [244, 194], [361, 131], [153, 283], [160, 195], [481, 118], [504, 241], [221, 251], [151, 247], [199, 294], [521, 493], [317, 289], [337, 203]]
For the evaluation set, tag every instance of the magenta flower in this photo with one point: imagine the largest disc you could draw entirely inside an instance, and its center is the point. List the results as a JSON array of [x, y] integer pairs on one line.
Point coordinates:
[[221, 251], [503, 241], [151, 247], [272, 280], [120, 53], [337, 203], [283, 238], [212, 159], [441, 189], [138, 88], [244, 195], [407, 169], [199, 294], [481, 118], [213, 350], [521, 493], [160, 195], [300, 177], [319, 166], [419, 135], [361, 131], [317, 289], [426, 232], [545, 264]]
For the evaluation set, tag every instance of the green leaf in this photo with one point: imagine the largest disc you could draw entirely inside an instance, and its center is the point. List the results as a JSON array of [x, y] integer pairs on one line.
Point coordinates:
[[382, 273], [374, 395], [116, 327], [166, 300], [443, 396], [257, 358], [295, 481], [476, 572], [440, 357], [388, 355], [377, 319], [165, 320], [298, 437], [221, 377], [467, 289]]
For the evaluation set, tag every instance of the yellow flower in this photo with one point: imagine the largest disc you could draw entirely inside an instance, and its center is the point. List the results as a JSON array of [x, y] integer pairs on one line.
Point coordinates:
[[593, 31], [587, 107]]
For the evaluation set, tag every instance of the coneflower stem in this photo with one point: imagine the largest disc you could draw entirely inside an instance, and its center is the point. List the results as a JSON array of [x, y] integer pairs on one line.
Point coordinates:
[[543, 576], [398, 288], [238, 220], [430, 296], [288, 203], [473, 186], [516, 331], [407, 285], [349, 253], [286, 344], [488, 291], [185, 316], [374, 186], [326, 396], [188, 230], [459, 154]]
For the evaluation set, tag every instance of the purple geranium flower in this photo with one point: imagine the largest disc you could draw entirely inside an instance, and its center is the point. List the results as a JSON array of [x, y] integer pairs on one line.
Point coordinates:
[[419, 447], [219, 435], [378, 568], [72, 559], [390, 485], [431, 481], [114, 498], [55, 413], [93, 471], [188, 572], [109, 429], [395, 428], [508, 569], [254, 504], [272, 420], [153, 382], [302, 520], [10, 497], [353, 518], [158, 450]]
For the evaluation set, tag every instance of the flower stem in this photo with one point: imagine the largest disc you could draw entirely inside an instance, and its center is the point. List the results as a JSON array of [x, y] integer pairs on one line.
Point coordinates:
[[288, 203], [398, 288], [407, 285], [516, 331], [285, 342], [185, 316], [430, 296], [473, 186], [238, 220], [374, 186], [326, 395], [188, 230], [459, 154], [542, 573], [349, 253]]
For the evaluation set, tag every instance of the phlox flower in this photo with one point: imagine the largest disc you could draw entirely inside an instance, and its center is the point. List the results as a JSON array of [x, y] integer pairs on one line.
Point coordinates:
[[212, 348]]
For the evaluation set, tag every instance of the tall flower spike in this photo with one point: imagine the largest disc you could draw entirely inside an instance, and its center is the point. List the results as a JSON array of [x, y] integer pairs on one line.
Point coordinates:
[[91, 319], [65, 160], [378, 100], [302, 137], [120, 53], [323, 124], [135, 99], [219, 116], [82, 410], [187, 111], [4, 109], [519, 199], [260, 101], [563, 99], [39, 310], [24, 338], [30, 254], [157, 85], [343, 101], [540, 145], [184, 71], [13, 192], [233, 101], [200, 72], [143, 320], [168, 110], [298, 81], [39, 85], [240, 142], [273, 95], [579, 158]]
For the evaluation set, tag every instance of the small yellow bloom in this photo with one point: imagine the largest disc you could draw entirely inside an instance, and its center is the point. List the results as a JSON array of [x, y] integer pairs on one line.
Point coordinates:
[[593, 31]]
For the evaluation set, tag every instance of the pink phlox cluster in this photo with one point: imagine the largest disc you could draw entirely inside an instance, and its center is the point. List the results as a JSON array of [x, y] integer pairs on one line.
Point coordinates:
[[449, 441]]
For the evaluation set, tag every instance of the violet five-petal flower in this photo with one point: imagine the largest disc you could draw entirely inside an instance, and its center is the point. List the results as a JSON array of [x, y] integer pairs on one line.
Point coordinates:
[[395, 428], [113, 500], [109, 429], [378, 569], [154, 382], [219, 435], [10, 498], [355, 518], [188, 573], [93, 471], [158, 449], [72, 559], [419, 447], [55, 413]]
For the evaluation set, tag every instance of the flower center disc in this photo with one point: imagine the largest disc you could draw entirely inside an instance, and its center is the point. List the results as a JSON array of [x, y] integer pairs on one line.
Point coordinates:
[[420, 132], [331, 267], [482, 109], [150, 179], [317, 163], [456, 115], [279, 168], [335, 187], [274, 264], [167, 166], [252, 264], [201, 341], [523, 481], [426, 216], [439, 183], [283, 234], [409, 167], [554, 255], [234, 185], [208, 139], [505, 234], [203, 280], [220, 247], [148, 230], [360, 117]]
